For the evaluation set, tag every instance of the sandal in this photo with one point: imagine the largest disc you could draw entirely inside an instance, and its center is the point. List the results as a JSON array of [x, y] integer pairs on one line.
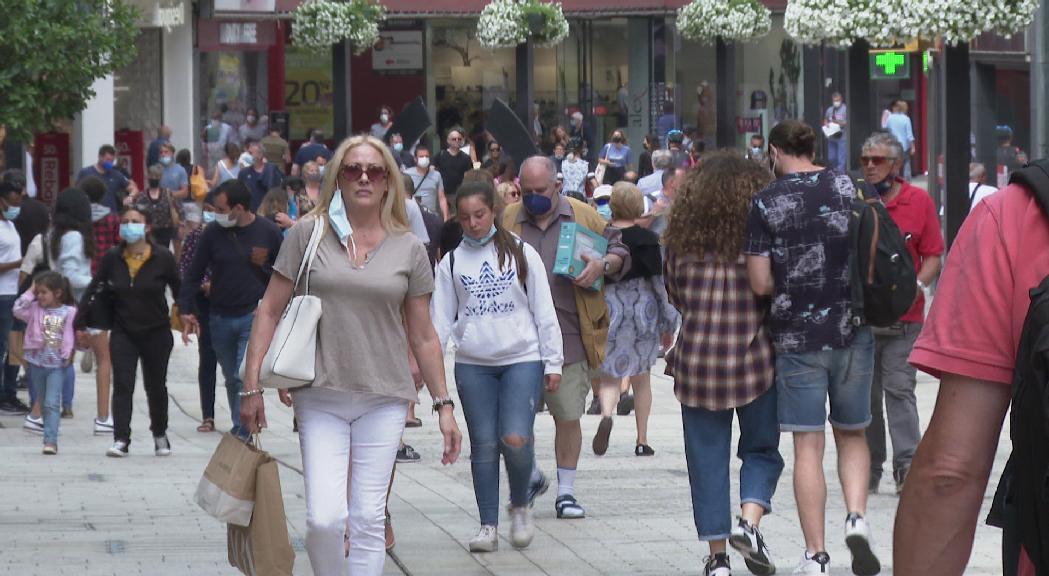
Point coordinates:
[[644, 450], [390, 540], [208, 425], [413, 423]]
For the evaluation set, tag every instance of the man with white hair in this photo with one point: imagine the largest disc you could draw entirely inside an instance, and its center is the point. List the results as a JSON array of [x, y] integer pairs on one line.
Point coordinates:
[[661, 160], [581, 312], [978, 187]]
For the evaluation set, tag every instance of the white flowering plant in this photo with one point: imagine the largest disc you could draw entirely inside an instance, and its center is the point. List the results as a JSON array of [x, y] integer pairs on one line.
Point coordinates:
[[320, 24], [506, 23], [890, 22], [731, 20]]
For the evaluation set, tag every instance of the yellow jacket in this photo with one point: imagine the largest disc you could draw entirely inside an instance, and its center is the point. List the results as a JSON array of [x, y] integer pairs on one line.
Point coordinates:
[[590, 304]]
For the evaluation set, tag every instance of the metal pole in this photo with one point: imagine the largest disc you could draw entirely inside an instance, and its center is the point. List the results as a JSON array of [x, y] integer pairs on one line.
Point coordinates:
[[861, 109], [957, 110], [525, 82], [726, 94], [1038, 40]]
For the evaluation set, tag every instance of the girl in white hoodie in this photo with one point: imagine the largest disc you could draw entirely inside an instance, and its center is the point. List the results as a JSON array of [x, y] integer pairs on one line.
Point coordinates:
[[492, 300]]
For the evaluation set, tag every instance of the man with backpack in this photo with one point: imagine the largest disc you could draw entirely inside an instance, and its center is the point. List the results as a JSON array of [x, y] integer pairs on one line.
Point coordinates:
[[799, 252], [914, 212], [989, 312]]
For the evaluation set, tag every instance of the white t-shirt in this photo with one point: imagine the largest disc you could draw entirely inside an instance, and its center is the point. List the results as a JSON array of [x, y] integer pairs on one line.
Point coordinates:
[[10, 251], [977, 195], [415, 221]]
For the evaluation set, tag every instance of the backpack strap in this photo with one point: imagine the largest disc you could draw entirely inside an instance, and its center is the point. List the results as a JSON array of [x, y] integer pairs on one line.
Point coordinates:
[[1035, 177]]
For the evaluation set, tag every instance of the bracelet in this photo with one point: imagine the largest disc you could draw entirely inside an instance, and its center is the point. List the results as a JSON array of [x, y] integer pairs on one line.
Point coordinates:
[[246, 393], [439, 403]]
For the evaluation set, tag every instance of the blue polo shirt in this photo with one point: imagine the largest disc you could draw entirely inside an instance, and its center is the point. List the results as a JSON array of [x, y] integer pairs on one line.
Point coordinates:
[[114, 181], [260, 182]]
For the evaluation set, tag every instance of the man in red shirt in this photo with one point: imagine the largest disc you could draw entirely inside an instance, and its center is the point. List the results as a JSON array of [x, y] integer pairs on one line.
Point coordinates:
[[970, 342], [915, 214]]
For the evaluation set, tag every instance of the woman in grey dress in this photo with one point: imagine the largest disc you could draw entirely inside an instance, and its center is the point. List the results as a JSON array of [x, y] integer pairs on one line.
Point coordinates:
[[642, 320]]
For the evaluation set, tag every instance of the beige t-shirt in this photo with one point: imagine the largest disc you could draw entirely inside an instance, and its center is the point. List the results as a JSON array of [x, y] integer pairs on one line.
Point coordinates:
[[361, 342]]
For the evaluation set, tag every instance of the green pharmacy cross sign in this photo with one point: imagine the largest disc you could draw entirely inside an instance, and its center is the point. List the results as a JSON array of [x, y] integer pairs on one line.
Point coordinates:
[[890, 65]]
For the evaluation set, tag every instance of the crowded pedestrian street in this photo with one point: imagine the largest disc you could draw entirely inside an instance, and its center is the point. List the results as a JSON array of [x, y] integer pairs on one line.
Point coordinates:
[[85, 514]]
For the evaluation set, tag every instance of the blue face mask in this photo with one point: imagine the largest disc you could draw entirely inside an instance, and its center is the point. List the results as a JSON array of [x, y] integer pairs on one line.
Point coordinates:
[[165, 160], [536, 204], [12, 212], [209, 217], [337, 216], [478, 242], [132, 232], [107, 166], [884, 186], [605, 211]]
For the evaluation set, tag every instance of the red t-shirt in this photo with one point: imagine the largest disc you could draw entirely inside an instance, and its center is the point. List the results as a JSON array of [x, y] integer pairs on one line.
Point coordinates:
[[1001, 252], [915, 214]]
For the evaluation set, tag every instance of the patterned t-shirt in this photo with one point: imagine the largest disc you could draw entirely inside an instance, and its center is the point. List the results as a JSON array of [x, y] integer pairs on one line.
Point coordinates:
[[801, 221]]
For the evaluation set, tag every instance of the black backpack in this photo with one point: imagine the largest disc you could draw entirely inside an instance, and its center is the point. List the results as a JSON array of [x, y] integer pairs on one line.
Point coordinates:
[[884, 282], [1021, 503]]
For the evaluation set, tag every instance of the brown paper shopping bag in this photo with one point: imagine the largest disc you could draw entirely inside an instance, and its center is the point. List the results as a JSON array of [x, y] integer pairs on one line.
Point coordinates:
[[227, 488], [263, 548]]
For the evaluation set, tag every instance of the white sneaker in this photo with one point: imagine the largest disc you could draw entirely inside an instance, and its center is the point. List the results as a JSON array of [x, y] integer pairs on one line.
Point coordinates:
[[748, 541], [858, 539], [717, 565], [104, 428], [487, 539], [117, 450], [522, 529], [161, 446], [818, 563], [34, 425]]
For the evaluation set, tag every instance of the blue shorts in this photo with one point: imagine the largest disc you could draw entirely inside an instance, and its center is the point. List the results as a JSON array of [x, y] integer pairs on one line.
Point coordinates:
[[804, 381]]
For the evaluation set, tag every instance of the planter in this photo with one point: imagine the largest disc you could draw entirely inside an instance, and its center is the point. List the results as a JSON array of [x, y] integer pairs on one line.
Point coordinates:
[[320, 24], [509, 23], [731, 20]]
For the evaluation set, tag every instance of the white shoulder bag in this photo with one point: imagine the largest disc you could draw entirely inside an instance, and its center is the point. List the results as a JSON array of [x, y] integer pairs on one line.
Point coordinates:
[[291, 359]]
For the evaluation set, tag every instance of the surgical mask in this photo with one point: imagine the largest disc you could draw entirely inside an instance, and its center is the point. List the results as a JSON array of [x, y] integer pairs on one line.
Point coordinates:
[[837, 104], [423, 162], [884, 186], [315, 176], [337, 216], [225, 220], [559, 156], [384, 118], [12, 212], [165, 160], [536, 204], [251, 119], [755, 151], [132, 232], [605, 211], [321, 168], [479, 242], [398, 146], [107, 166], [209, 217]]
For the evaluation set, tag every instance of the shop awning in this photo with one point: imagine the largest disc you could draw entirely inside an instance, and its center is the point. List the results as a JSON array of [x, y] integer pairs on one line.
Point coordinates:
[[438, 8]]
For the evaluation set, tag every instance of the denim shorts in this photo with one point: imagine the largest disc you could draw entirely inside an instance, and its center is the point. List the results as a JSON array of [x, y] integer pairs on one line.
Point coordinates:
[[805, 381]]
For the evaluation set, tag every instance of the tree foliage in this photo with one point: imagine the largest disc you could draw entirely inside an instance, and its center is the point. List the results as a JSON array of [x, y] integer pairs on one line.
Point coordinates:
[[53, 51]]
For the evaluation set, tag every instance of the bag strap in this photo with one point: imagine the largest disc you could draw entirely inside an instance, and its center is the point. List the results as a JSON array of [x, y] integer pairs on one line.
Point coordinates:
[[1035, 177], [972, 196], [311, 252]]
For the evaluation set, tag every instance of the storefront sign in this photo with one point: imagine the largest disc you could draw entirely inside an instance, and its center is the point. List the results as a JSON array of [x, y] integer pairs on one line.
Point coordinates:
[[398, 50], [235, 35], [245, 5], [749, 125], [131, 151], [166, 14], [309, 94], [890, 65], [52, 165]]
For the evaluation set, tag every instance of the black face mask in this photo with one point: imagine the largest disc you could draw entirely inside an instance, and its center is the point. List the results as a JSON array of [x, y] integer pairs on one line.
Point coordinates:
[[154, 183]]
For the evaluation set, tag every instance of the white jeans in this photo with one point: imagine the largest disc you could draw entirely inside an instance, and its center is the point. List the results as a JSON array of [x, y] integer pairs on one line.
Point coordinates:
[[333, 427]]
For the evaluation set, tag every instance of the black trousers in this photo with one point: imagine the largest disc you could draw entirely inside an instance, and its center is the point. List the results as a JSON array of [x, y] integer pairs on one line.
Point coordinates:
[[154, 350]]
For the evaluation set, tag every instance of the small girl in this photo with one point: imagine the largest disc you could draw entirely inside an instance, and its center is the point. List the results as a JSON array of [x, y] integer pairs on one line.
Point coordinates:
[[48, 311]]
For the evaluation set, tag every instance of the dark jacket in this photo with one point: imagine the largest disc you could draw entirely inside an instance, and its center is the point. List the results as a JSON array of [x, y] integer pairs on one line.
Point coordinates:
[[140, 305]]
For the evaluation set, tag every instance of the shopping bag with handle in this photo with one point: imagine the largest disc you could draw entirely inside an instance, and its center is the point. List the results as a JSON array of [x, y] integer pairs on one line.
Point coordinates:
[[263, 548], [227, 488]]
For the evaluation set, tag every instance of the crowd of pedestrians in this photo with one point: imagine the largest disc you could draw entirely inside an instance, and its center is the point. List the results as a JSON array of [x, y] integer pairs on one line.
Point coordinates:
[[735, 267]]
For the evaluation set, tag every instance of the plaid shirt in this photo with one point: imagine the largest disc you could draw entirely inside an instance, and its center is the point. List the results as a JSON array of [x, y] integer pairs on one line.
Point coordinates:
[[107, 235], [723, 357]]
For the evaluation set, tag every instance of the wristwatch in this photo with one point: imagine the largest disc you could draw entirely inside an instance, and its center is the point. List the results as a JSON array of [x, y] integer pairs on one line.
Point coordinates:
[[438, 403], [608, 265]]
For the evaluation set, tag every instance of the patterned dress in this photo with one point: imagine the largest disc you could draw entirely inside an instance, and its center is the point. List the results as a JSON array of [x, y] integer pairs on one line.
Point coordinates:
[[639, 309]]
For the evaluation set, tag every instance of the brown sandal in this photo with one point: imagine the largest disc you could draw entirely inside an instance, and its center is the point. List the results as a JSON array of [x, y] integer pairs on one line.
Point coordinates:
[[208, 425]]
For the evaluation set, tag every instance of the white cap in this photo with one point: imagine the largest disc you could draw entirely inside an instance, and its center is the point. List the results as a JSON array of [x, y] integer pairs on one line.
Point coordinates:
[[603, 191]]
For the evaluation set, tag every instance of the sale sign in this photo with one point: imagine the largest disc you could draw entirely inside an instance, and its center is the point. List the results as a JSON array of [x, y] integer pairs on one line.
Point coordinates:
[[309, 93], [51, 167]]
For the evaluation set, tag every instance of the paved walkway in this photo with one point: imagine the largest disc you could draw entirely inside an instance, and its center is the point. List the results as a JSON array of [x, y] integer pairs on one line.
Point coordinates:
[[82, 513]]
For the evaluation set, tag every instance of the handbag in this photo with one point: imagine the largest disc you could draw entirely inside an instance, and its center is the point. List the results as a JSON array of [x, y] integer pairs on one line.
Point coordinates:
[[97, 308], [227, 488], [263, 548], [291, 359]]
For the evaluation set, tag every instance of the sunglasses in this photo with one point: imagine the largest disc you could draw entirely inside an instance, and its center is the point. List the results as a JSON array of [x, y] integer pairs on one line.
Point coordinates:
[[874, 160], [352, 172], [515, 194]]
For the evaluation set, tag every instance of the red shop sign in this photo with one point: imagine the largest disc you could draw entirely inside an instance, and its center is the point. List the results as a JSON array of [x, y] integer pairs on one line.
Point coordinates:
[[131, 147], [51, 165]]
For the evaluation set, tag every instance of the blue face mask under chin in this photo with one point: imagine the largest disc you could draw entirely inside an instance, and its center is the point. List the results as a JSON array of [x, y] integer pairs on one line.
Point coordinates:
[[884, 186], [337, 216], [479, 242]]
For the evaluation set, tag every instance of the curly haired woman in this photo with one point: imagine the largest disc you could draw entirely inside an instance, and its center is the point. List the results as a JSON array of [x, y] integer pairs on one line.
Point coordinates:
[[722, 361]]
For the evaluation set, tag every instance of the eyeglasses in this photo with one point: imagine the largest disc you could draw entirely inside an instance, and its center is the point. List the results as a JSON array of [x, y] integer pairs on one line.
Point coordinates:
[[874, 160], [455, 139], [352, 172]]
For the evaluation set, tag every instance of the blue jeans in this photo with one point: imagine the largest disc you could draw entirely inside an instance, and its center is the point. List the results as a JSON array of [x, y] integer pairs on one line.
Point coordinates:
[[68, 385], [805, 381], [499, 403], [8, 386], [48, 383], [837, 153], [708, 439], [229, 338]]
